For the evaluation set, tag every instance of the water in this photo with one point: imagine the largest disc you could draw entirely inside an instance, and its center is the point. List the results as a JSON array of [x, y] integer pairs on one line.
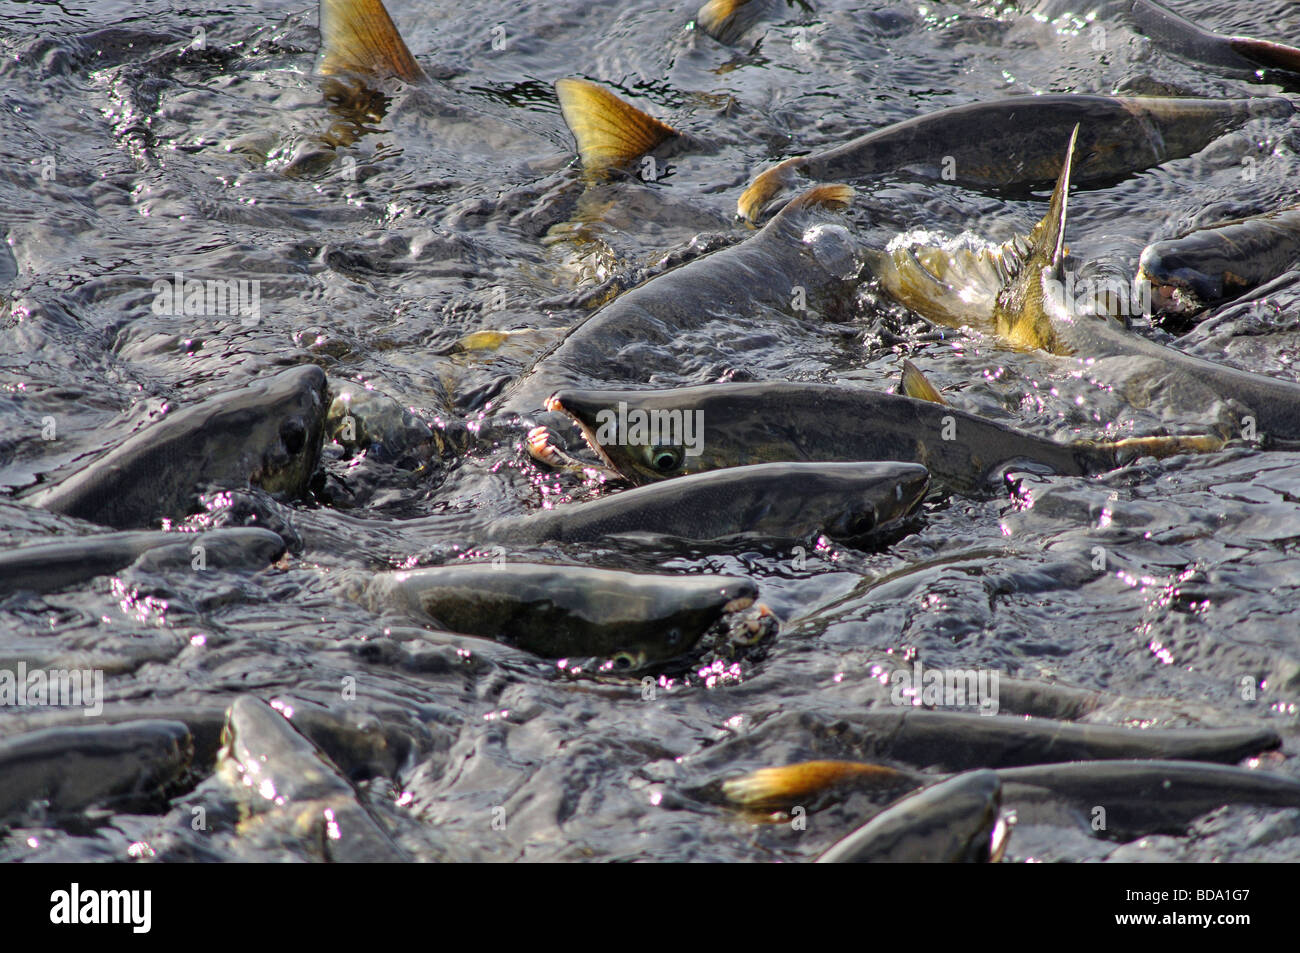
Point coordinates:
[[130, 154]]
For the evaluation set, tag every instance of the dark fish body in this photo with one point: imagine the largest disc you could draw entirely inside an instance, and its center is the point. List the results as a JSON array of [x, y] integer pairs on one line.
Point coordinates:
[[1015, 143], [959, 741], [1218, 262], [45, 567], [1273, 404], [949, 822], [294, 791], [267, 434], [629, 339], [566, 611], [775, 501], [125, 766], [1185, 38], [754, 423], [1041, 699], [363, 743], [1145, 797]]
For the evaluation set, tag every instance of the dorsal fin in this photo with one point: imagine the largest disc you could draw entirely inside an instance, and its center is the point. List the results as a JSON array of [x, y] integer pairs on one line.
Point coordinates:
[[1020, 315], [918, 386], [358, 36], [609, 132]]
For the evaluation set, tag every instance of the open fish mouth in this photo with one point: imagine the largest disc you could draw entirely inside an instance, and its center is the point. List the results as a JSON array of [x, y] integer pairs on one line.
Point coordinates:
[[1169, 298], [553, 403]]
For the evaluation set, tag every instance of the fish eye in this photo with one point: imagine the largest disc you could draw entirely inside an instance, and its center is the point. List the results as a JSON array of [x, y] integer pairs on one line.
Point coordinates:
[[624, 661], [294, 436], [673, 637], [666, 459]]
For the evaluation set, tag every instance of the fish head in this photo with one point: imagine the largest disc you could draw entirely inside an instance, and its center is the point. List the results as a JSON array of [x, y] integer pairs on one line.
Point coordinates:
[[672, 624], [685, 616], [284, 418], [1178, 277], [364, 421], [649, 436], [836, 249], [879, 495]]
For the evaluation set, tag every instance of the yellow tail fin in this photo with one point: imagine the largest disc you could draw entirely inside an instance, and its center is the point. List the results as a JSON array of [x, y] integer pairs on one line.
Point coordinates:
[[720, 19], [917, 385], [1131, 448], [358, 36], [833, 197], [765, 187], [609, 132], [1020, 314], [785, 787]]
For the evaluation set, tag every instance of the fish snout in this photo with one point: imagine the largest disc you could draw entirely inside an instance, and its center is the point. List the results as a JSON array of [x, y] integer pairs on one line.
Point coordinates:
[[576, 406], [911, 490], [859, 521], [738, 595], [904, 491], [293, 437], [1176, 286]]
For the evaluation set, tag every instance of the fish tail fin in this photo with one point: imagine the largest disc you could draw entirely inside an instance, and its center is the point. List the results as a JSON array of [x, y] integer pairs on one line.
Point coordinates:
[[358, 36], [792, 784], [832, 197], [609, 132], [918, 386], [1020, 314], [1130, 448], [1047, 240], [766, 186], [723, 19]]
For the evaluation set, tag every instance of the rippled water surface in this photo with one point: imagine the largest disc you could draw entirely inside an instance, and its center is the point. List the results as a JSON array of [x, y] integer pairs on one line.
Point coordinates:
[[135, 147]]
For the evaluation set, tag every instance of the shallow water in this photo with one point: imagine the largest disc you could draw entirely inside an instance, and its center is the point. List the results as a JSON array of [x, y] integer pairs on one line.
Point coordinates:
[[130, 155]]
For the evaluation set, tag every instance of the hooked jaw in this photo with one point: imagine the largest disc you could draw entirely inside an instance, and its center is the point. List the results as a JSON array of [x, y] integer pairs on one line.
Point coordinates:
[[554, 403], [1175, 288]]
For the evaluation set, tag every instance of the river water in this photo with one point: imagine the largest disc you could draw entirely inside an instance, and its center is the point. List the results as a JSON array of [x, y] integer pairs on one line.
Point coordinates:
[[142, 140]]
